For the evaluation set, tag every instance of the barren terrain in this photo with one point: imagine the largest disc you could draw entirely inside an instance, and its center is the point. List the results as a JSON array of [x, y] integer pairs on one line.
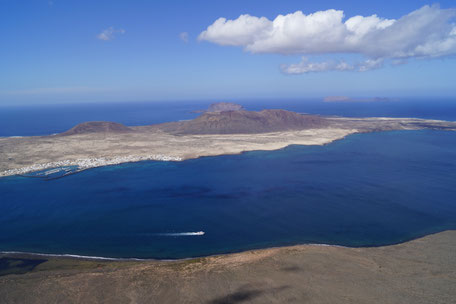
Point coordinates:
[[420, 271]]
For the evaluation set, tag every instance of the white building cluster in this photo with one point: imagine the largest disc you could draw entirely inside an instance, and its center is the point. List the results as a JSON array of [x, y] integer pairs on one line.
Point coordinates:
[[86, 163]]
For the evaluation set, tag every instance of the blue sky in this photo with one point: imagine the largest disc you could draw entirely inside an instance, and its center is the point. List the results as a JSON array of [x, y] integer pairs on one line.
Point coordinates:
[[65, 51]]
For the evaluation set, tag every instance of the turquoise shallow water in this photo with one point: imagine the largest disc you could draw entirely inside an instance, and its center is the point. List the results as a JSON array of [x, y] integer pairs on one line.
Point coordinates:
[[366, 190]]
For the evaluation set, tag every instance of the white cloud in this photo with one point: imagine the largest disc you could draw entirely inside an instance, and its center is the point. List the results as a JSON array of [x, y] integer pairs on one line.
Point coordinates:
[[428, 32], [370, 64], [305, 66], [184, 36], [243, 31], [109, 33]]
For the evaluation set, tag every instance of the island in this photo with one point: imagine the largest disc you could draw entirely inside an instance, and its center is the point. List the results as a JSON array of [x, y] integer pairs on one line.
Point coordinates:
[[223, 129]]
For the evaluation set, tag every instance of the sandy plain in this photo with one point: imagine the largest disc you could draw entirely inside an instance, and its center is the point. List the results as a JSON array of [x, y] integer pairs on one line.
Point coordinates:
[[27, 154], [27, 151]]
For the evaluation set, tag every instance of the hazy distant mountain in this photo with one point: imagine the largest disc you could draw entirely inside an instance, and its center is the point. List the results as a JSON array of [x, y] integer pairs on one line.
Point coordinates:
[[224, 106]]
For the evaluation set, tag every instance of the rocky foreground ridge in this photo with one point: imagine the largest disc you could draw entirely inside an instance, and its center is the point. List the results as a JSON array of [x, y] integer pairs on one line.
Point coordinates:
[[421, 271]]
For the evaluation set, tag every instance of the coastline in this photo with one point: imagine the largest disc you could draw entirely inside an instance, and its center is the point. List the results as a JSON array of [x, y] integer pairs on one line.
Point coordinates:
[[170, 148], [89, 257], [245, 251], [87, 163], [418, 271]]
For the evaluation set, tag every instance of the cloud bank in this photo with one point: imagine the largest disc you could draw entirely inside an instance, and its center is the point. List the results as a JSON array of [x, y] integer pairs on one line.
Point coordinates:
[[429, 32], [305, 66], [109, 33]]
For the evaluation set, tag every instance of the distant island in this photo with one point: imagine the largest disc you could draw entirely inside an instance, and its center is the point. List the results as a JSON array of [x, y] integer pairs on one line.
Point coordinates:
[[224, 106], [225, 128], [351, 99], [221, 107]]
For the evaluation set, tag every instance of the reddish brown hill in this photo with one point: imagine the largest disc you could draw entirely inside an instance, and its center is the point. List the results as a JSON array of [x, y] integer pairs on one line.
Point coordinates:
[[224, 122], [237, 122], [97, 127]]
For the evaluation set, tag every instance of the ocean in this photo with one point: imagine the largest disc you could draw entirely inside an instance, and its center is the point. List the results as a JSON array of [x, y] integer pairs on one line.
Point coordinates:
[[365, 190]]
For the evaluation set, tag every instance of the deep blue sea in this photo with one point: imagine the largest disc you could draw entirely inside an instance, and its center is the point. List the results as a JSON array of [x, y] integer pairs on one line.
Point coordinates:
[[365, 190]]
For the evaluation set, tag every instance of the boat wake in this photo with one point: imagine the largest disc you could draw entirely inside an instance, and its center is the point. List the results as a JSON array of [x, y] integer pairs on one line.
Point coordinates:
[[196, 233]]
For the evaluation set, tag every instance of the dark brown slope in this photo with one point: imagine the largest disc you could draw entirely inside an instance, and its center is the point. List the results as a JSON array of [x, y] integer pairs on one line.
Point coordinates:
[[97, 127], [243, 122]]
